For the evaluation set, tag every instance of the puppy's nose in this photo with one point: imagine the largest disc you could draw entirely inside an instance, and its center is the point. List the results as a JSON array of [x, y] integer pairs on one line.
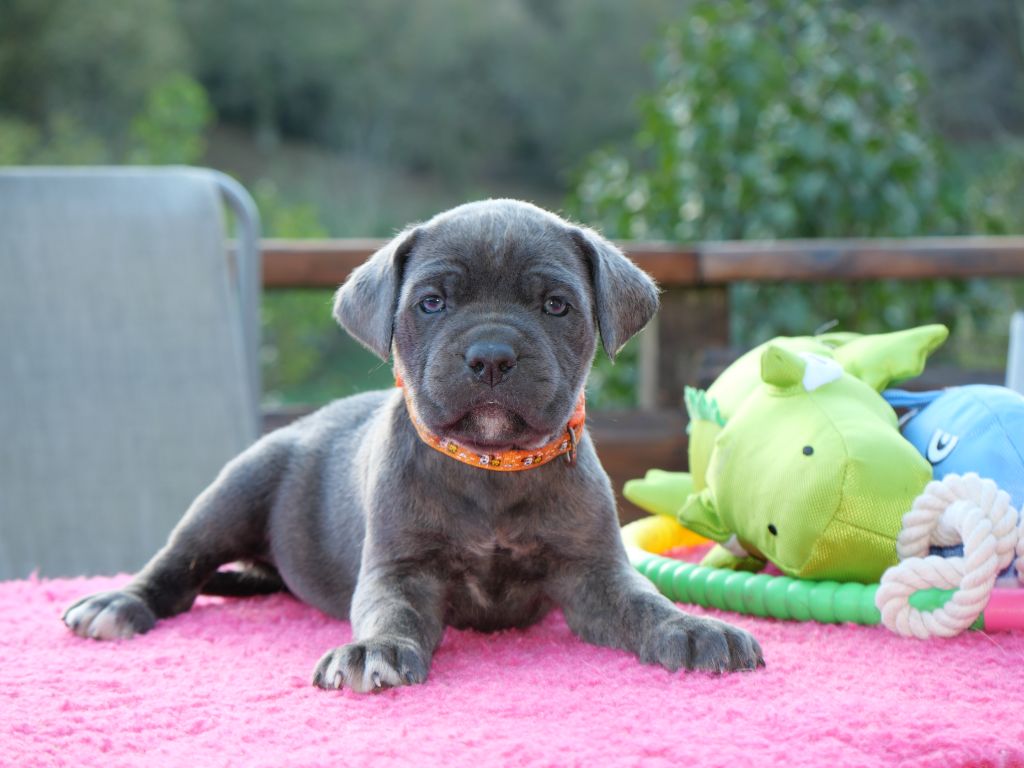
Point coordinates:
[[490, 361]]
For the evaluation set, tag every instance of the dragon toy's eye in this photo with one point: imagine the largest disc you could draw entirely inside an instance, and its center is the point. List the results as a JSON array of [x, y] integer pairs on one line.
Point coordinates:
[[556, 306], [432, 305]]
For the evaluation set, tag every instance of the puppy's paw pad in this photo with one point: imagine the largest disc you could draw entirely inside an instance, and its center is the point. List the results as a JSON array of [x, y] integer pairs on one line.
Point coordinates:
[[109, 616], [371, 665]]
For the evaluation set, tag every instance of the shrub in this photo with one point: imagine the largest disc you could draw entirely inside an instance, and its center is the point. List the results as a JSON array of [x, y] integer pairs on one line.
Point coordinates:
[[785, 119]]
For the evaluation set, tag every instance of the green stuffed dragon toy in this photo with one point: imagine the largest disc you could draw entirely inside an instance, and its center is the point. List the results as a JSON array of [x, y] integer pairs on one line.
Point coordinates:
[[797, 460]]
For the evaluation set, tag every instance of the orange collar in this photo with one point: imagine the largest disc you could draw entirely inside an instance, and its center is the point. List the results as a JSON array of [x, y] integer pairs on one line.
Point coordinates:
[[507, 461]]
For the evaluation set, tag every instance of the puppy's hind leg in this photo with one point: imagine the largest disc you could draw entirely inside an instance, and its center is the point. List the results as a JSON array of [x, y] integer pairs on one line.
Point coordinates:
[[226, 522]]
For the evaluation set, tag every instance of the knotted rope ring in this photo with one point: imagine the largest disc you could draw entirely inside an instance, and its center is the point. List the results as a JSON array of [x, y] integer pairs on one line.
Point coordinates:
[[956, 509]]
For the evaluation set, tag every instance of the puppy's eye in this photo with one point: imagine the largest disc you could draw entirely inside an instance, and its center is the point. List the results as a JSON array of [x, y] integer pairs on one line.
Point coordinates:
[[432, 305], [556, 306]]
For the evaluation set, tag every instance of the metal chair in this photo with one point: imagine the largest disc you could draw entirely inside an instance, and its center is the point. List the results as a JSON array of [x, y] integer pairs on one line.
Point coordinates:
[[129, 358]]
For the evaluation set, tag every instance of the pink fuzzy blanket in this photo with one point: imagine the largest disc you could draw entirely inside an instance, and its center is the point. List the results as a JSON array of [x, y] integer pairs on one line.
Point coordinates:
[[228, 684]]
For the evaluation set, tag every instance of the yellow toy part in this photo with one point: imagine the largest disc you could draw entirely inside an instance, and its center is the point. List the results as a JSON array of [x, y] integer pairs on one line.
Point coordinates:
[[655, 535]]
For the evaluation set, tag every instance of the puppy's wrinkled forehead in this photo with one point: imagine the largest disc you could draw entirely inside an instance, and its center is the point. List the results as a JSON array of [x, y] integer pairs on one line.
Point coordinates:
[[497, 248]]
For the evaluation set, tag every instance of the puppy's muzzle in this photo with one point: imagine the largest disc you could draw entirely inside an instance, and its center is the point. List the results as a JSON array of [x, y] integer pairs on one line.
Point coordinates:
[[491, 361]]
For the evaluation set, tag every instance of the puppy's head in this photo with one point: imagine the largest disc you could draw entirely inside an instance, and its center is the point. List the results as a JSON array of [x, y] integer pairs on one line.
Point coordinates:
[[493, 310]]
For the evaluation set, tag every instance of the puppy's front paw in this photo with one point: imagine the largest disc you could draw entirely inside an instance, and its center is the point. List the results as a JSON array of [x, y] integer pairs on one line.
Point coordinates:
[[371, 665], [109, 615], [703, 644]]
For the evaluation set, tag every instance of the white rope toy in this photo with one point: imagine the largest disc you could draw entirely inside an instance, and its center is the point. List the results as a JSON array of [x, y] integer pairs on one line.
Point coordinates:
[[956, 509]]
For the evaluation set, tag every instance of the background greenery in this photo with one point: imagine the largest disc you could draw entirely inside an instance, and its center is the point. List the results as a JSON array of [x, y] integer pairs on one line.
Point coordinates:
[[679, 120], [803, 119]]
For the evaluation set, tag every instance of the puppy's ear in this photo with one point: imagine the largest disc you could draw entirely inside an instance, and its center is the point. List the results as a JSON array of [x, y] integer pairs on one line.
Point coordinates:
[[365, 304], [626, 297]]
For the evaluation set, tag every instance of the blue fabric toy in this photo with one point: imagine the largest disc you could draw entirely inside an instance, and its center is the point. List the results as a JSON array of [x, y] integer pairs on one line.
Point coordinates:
[[976, 428]]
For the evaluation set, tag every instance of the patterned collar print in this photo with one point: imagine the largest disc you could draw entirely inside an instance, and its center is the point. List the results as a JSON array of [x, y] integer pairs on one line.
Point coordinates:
[[507, 461]]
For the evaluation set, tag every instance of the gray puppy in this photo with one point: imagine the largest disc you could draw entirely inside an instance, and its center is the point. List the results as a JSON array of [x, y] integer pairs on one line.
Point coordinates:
[[492, 311]]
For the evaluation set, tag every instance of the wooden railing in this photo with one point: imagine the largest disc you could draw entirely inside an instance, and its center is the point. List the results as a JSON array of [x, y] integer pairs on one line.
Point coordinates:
[[694, 316], [326, 263]]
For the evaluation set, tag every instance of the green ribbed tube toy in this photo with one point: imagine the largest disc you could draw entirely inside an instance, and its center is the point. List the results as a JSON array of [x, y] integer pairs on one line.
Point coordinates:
[[758, 594]]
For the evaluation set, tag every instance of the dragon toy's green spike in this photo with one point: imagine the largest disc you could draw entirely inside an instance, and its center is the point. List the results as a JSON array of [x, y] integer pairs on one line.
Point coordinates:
[[701, 407]]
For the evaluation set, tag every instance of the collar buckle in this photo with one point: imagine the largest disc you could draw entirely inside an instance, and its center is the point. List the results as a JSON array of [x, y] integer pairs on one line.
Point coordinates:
[[570, 455]]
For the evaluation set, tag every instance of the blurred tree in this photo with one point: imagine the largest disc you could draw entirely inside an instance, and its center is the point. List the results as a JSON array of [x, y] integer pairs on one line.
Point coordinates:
[[170, 127], [18, 140], [776, 118], [97, 81], [307, 358], [786, 118], [974, 51], [381, 111], [455, 88], [90, 62]]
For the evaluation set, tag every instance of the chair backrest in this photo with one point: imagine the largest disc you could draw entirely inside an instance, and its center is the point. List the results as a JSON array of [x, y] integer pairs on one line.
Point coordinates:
[[129, 343]]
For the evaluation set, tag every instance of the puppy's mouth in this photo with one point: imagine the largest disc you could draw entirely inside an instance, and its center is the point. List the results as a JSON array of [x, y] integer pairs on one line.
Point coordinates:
[[490, 428]]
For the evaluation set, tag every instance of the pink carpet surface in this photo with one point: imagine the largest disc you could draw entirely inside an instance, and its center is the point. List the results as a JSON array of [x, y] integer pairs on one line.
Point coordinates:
[[228, 683]]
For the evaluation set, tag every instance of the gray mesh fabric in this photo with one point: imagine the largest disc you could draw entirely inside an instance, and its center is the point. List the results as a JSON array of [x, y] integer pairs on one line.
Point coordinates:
[[124, 384]]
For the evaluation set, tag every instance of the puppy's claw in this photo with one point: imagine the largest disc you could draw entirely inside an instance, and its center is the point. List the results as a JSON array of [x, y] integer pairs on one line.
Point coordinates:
[[109, 615], [702, 644], [371, 665]]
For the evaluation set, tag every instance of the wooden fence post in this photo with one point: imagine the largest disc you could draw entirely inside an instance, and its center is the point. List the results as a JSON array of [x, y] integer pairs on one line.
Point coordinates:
[[691, 321]]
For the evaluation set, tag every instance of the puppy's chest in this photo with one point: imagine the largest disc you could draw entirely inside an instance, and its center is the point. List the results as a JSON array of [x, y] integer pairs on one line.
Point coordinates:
[[498, 568]]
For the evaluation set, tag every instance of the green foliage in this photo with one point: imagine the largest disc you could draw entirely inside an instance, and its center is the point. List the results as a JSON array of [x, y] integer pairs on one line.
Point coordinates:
[[614, 385], [169, 130], [765, 119], [18, 140], [170, 127], [454, 88], [790, 119], [90, 82], [281, 218], [306, 357], [775, 118], [89, 63], [64, 142], [992, 184], [972, 53]]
